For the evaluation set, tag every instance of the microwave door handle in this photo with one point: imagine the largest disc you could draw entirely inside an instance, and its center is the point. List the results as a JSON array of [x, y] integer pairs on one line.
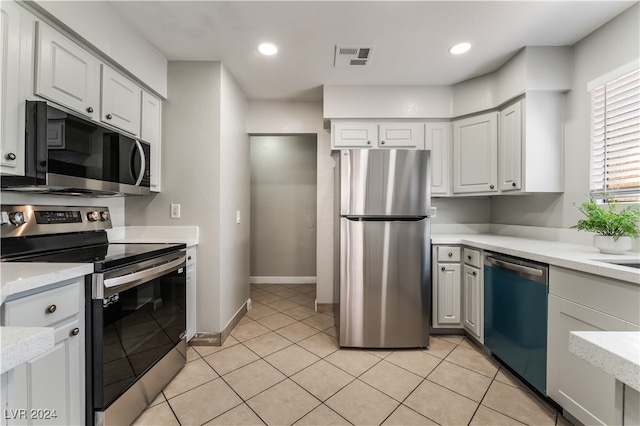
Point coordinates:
[[143, 164]]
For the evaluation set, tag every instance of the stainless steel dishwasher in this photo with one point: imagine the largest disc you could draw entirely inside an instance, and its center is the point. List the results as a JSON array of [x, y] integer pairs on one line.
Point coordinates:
[[515, 315]]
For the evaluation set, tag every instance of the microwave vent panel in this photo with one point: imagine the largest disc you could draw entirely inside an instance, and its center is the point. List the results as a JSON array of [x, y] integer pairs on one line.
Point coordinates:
[[352, 56]]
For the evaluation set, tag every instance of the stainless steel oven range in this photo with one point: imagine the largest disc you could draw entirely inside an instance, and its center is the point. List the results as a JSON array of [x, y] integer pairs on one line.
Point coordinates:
[[135, 303]]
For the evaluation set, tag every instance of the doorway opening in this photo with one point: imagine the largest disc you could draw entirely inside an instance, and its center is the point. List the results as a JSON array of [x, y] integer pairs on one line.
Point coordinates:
[[283, 209]]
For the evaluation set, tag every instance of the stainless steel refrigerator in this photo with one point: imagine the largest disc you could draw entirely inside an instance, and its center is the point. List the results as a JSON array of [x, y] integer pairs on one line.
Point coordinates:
[[385, 255]]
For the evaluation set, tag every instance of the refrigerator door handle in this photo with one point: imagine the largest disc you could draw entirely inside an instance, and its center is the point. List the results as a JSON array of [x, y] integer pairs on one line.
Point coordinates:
[[385, 218]]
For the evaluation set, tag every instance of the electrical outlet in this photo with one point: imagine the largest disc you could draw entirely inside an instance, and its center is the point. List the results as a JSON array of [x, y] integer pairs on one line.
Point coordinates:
[[175, 211], [434, 211]]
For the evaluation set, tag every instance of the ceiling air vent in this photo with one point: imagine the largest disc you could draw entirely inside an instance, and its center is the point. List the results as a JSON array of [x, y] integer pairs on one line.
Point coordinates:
[[353, 56]]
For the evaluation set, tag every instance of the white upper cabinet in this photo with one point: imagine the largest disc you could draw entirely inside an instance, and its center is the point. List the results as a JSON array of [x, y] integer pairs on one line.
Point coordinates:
[[65, 72], [437, 139], [11, 145], [120, 101], [369, 134], [475, 154], [510, 147], [354, 135], [150, 132], [401, 135]]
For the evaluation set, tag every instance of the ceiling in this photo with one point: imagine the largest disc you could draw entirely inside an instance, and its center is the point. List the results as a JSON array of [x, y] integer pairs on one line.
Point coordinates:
[[411, 38]]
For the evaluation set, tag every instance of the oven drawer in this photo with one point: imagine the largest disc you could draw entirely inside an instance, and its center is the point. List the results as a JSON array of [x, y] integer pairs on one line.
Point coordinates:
[[45, 308]]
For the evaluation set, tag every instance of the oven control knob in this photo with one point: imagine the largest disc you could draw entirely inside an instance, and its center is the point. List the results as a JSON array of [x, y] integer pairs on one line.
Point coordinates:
[[17, 218], [93, 216], [104, 216]]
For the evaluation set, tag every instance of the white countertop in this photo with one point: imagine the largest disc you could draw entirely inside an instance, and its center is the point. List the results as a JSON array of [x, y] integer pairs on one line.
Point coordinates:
[[572, 256], [21, 344], [615, 352], [18, 277], [155, 234]]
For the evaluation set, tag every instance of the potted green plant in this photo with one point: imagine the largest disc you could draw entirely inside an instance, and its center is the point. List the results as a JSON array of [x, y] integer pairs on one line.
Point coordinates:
[[614, 229]]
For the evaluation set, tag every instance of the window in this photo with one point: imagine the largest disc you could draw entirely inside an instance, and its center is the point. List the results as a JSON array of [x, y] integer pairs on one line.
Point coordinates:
[[615, 139]]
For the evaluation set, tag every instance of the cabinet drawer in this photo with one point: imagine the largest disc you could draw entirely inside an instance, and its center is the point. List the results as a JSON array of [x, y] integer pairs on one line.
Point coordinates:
[[448, 254], [472, 257], [35, 310]]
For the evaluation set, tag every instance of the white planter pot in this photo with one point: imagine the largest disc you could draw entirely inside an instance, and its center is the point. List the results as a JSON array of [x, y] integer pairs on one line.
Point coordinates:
[[607, 245]]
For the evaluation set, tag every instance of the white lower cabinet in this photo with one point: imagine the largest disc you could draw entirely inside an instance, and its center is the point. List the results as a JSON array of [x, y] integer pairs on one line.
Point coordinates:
[[472, 301], [584, 302], [191, 292], [50, 389], [446, 287]]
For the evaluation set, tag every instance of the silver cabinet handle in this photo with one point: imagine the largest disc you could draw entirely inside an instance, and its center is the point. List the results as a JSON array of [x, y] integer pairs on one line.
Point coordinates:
[[382, 142], [90, 110], [75, 331], [443, 269], [491, 186], [109, 116], [10, 156], [368, 142], [450, 254], [513, 184], [51, 309]]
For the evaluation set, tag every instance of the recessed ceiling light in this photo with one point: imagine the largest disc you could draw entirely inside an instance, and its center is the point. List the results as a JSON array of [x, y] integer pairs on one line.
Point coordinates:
[[459, 48], [267, 49]]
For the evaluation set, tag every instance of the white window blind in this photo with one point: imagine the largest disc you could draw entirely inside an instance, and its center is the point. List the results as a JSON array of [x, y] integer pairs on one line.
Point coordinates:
[[615, 139]]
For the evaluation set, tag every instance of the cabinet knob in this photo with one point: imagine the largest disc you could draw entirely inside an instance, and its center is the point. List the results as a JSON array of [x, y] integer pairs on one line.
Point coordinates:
[[513, 184], [10, 156], [491, 186], [469, 257], [382, 142], [109, 116], [90, 110], [368, 142], [75, 331], [51, 309], [450, 254], [189, 258], [473, 273], [443, 269]]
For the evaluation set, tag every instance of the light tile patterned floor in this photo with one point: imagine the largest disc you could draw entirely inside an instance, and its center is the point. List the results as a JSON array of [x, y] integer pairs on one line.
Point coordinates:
[[282, 366]]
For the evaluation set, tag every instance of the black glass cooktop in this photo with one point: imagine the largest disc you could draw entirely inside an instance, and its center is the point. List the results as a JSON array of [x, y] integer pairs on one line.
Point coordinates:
[[82, 248], [107, 256]]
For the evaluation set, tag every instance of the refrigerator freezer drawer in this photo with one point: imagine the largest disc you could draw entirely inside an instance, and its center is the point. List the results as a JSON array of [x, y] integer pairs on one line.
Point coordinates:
[[384, 283]]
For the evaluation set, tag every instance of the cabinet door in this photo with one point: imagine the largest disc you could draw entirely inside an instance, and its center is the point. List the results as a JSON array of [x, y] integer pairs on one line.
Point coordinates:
[[191, 293], [401, 135], [475, 154], [150, 131], [472, 302], [448, 294], [11, 143], [511, 139], [65, 72], [51, 387], [354, 135], [120, 101], [586, 391], [437, 138]]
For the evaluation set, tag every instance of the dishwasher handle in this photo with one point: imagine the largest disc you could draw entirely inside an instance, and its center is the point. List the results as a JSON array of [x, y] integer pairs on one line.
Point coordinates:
[[538, 273]]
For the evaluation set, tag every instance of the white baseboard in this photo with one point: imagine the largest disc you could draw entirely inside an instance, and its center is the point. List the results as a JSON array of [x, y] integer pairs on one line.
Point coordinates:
[[283, 280]]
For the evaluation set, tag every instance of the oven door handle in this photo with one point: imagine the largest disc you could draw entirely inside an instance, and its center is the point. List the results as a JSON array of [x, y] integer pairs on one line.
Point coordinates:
[[144, 275]]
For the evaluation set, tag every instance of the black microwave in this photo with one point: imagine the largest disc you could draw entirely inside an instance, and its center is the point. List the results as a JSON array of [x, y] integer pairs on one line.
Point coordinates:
[[67, 154]]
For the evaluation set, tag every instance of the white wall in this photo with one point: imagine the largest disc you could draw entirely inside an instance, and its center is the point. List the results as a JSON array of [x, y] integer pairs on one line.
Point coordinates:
[[306, 117], [191, 176], [613, 45], [234, 196], [97, 23]]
